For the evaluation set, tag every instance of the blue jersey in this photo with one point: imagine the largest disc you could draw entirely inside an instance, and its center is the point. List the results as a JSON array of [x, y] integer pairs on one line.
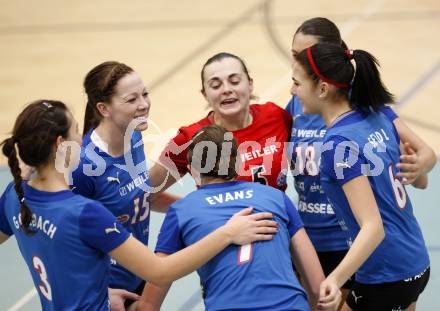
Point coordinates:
[[369, 145], [120, 184], [326, 232], [67, 255], [253, 277]]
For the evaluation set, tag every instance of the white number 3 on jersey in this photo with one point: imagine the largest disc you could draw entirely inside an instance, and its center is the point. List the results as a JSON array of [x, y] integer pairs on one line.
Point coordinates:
[[43, 285]]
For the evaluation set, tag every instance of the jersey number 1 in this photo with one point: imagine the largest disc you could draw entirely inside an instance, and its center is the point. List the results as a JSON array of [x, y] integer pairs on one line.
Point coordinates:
[[244, 253]]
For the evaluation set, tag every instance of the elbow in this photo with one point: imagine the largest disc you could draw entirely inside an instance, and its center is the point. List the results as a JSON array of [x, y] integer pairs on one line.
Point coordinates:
[[433, 157], [421, 185], [160, 278], [421, 182]]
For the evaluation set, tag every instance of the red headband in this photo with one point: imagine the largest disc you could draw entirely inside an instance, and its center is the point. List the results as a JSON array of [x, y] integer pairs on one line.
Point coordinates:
[[320, 76]]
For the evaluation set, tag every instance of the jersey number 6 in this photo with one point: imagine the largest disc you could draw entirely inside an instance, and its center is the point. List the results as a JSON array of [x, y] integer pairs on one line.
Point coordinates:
[[398, 189]]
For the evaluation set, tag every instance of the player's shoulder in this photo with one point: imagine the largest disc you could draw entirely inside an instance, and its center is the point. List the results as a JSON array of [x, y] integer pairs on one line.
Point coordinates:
[[77, 202], [183, 203], [262, 190], [9, 188], [9, 193], [268, 107], [186, 132], [271, 113]]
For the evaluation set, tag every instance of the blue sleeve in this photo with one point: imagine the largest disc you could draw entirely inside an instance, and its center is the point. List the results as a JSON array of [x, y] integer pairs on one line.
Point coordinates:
[[295, 222], [391, 115], [100, 229], [4, 224], [169, 240], [294, 106], [81, 183], [290, 106], [389, 112], [343, 162]]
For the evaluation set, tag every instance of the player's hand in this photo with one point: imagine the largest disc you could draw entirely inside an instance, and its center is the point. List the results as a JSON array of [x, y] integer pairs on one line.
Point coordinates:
[[409, 165], [245, 227], [118, 296], [329, 295]]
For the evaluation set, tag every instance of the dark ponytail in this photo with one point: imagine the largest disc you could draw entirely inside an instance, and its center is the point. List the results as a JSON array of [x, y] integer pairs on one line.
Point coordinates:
[[331, 63], [11, 154], [91, 120], [367, 88], [34, 135], [99, 85]]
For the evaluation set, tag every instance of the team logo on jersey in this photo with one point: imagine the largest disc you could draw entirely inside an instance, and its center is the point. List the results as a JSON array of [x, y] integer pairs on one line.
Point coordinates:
[[293, 132], [114, 179], [122, 191], [282, 177], [123, 218], [113, 229], [316, 188], [343, 164], [355, 297]]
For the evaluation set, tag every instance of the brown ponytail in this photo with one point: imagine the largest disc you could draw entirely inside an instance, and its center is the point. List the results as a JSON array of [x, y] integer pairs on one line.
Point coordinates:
[[11, 154], [200, 157], [35, 132]]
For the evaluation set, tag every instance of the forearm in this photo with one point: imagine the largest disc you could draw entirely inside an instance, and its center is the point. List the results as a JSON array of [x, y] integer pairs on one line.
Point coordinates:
[[152, 297], [307, 262], [160, 178], [367, 240], [160, 202], [192, 257], [427, 158], [137, 258]]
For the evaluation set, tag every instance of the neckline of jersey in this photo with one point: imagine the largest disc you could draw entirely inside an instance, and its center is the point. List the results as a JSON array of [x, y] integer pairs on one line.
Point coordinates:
[[89, 138], [44, 196], [347, 118], [221, 185]]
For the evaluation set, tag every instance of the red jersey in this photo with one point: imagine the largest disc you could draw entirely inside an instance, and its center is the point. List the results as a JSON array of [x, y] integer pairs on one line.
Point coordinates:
[[260, 145]]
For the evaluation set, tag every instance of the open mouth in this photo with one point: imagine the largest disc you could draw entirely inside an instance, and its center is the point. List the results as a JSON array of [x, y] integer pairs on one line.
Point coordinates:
[[142, 119], [229, 101]]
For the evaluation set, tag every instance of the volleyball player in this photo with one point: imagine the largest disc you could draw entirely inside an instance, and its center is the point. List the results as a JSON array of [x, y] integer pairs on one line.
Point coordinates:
[[65, 238], [254, 277], [361, 151]]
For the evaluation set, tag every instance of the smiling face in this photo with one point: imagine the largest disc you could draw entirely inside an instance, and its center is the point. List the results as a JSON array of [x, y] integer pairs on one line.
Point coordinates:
[[301, 42], [307, 90], [227, 87], [129, 102]]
